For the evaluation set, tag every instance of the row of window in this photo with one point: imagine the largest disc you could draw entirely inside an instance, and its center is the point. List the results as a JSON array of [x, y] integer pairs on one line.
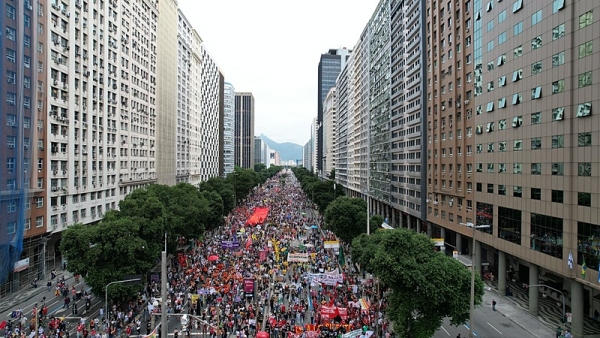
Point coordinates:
[[557, 196], [558, 168], [11, 227]]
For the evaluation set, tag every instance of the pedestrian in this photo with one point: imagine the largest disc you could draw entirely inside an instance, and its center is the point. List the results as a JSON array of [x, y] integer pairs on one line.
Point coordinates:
[[494, 304], [459, 336], [49, 286]]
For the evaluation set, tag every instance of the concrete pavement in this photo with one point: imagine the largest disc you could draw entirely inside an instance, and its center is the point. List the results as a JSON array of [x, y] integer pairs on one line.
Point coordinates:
[[507, 321]]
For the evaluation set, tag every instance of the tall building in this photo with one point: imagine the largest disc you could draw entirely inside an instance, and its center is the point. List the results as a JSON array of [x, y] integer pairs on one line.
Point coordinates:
[[330, 131], [261, 151], [449, 51], [23, 150], [330, 66], [102, 107], [307, 155], [228, 128], [314, 132], [534, 132], [167, 88], [244, 130]]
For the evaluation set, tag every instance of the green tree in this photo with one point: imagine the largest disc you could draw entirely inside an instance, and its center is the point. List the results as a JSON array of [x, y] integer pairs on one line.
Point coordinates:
[[243, 180], [215, 216], [224, 188], [347, 217], [375, 222], [427, 286], [332, 175], [258, 167]]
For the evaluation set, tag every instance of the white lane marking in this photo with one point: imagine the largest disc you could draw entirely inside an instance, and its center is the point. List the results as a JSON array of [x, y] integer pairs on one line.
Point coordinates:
[[494, 328], [445, 331]]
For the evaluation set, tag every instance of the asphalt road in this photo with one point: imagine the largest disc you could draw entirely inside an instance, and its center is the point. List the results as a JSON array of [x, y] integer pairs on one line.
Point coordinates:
[[488, 324]]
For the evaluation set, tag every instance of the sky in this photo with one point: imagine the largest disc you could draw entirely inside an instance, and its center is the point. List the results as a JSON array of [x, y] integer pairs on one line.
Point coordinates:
[[272, 48]]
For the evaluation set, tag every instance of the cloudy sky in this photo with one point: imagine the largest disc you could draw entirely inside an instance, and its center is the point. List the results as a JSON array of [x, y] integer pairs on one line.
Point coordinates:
[[272, 47]]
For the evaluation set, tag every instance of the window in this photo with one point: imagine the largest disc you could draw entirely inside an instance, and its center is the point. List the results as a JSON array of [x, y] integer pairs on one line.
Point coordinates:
[[490, 167], [518, 28], [502, 81], [490, 127], [509, 224], [536, 17], [502, 103], [584, 169], [502, 124], [502, 16], [490, 25], [584, 199], [490, 105], [502, 189], [536, 194], [557, 196], [584, 109], [517, 168], [517, 75], [39, 221], [517, 98], [536, 67], [501, 38], [27, 224], [11, 227], [558, 86], [518, 145], [558, 169], [11, 33], [490, 6], [557, 5], [490, 45], [558, 114], [11, 77], [536, 168], [502, 146], [586, 19], [490, 188], [502, 168], [586, 49], [517, 121], [479, 187], [11, 55], [584, 139], [10, 164], [558, 141], [11, 206], [536, 143], [536, 42], [39, 202], [10, 11], [536, 118], [536, 93], [547, 235], [501, 59], [517, 52], [558, 32], [558, 59], [518, 191], [517, 6], [585, 79]]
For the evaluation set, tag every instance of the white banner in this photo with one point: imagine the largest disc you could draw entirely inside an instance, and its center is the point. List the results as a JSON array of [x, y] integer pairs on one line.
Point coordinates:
[[331, 244], [298, 257], [327, 279], [352, 334]]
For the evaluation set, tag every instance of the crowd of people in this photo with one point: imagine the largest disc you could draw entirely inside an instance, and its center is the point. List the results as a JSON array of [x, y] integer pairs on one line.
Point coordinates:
[[281, 274]]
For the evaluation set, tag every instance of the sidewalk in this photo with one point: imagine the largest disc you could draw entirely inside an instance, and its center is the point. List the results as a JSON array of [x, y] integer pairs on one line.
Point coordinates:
[[15, 300], [516, 314]]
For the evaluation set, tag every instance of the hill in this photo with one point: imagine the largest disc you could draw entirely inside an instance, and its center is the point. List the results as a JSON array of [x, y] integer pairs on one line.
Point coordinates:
[[287, 151]]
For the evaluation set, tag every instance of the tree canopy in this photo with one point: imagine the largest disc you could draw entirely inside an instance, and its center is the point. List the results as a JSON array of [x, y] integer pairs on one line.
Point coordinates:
[[426, 286], [346, 217], [321, 192]]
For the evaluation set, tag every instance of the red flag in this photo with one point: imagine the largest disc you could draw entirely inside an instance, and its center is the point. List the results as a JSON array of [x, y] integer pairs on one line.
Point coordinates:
[[249, 242]]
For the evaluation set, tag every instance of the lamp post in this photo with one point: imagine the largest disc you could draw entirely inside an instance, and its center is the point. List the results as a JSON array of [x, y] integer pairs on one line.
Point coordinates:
[[106, 291], [563, 300], [472, 305]]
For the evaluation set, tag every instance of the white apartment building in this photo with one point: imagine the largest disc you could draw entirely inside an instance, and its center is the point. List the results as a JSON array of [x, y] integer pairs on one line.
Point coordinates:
[[102, 105], [228, 128], [209, 119], [314, 134], [197, 107], [330, 131]]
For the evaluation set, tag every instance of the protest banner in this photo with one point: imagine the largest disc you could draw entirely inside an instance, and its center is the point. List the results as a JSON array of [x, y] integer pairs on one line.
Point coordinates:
[[298, 257]]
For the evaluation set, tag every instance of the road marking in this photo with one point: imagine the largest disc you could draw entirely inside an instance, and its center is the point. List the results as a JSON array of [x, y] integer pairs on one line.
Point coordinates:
[[445, 331], [494, 328], [474, 333]]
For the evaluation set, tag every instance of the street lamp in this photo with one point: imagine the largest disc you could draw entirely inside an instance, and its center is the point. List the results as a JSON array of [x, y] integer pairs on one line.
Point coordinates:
[[563, 299], [106, 291], [472, 307]]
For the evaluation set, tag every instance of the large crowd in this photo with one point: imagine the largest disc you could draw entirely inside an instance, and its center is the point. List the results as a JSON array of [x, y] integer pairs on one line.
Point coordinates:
[[270, 268]]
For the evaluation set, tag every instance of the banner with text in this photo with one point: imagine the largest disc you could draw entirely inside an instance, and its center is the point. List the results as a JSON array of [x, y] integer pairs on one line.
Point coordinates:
[[327, 279], [249, 287], [298, 257], [332, 244]]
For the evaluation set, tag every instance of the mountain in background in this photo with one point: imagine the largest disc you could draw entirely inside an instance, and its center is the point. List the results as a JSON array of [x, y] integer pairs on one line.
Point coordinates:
[[287, 151]]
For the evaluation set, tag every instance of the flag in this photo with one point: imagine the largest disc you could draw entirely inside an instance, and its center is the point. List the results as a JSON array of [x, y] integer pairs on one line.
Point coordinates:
[[248, 243], [570, 261], [583, 268], [341, 258], [154, 332]]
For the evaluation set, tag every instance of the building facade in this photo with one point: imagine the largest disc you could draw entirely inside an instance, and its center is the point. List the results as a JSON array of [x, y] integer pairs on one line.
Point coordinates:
[[244, 130], [261, 151], [23, 111], [330, 66], [228, 128], [330, 131]]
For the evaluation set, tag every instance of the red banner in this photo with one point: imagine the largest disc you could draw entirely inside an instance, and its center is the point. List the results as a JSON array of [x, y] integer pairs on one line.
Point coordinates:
[[258, 217], [329, 312], [262, 256], [343, 312]]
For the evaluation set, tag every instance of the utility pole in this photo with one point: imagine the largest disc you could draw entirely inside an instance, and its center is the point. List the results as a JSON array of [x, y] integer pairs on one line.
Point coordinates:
[[165, 284]]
